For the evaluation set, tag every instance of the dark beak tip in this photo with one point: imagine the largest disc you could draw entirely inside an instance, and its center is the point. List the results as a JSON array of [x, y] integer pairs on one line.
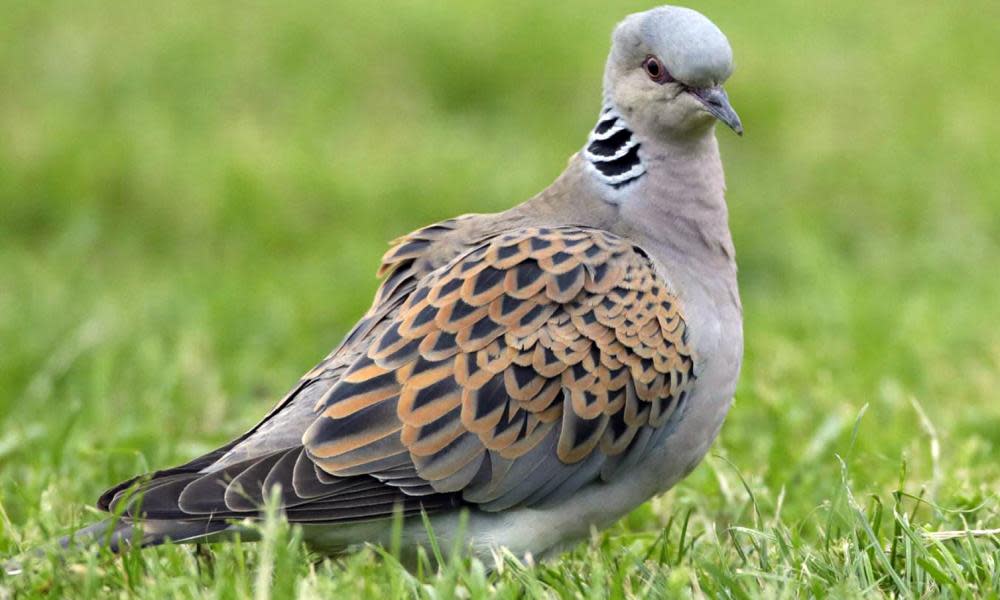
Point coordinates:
[[736, 126], [716, 102]]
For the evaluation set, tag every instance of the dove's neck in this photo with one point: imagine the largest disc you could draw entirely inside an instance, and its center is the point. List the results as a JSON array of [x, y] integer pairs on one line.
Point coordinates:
[[666, 194], [612, 153], [680, 201], [671, 196]]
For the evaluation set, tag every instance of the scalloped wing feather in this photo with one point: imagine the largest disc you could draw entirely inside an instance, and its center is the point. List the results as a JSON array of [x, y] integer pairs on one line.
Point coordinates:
[[538, 350], [531, 363]]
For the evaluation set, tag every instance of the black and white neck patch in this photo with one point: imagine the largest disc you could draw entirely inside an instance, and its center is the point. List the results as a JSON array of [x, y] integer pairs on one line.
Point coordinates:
[[612, 151]]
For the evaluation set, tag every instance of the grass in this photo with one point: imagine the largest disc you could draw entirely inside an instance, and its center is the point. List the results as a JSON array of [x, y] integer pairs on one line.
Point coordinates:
[[193, 199]]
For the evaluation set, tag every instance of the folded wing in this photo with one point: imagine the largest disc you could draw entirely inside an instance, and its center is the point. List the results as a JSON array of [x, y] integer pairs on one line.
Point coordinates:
[[534, 363]]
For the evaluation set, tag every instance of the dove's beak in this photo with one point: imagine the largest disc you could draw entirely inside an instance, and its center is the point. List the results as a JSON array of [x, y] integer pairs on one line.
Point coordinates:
[[717, 104]]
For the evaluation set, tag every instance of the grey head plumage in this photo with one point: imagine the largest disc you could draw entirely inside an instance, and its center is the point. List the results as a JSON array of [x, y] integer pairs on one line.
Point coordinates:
[[667, 66], [663, 86], [693, 49]]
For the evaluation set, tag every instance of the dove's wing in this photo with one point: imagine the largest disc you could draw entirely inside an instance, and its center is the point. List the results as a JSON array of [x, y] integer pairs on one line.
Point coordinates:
[[535, 361]]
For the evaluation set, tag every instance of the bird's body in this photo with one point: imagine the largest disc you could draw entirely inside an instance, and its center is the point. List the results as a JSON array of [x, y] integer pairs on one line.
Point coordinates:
[[546, 369]]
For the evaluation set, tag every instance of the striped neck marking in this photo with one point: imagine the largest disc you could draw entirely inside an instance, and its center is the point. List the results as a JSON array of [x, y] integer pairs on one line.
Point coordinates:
[[612, 151]]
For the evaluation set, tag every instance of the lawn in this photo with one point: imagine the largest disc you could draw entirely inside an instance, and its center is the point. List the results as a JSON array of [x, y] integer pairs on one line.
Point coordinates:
[[194, 197]]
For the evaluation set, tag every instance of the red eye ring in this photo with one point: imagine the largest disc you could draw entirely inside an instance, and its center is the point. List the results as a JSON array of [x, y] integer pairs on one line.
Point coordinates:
[[656, 70]]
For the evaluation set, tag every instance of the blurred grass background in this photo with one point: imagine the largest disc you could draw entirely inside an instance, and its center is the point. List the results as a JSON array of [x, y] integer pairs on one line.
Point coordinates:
[[194, 197]]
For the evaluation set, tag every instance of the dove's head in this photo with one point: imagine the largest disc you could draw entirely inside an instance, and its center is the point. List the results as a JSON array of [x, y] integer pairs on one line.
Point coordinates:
[[666, 70]]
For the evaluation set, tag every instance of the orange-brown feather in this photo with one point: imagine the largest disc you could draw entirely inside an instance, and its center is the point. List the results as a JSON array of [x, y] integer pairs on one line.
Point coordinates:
[[533, 330]]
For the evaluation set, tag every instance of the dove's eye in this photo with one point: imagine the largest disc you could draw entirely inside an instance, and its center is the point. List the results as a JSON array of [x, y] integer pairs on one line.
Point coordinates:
[[655, 69]]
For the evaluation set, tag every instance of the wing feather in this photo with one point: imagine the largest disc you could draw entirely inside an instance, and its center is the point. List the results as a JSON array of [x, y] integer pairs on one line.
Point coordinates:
[[506, 369], [536, 361]]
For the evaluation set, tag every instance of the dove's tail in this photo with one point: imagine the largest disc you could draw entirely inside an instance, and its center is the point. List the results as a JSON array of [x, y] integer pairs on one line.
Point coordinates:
[[118, 535]]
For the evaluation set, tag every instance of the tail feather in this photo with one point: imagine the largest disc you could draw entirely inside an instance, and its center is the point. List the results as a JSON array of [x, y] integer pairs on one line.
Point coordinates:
[[118, 535], [121, 534]]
